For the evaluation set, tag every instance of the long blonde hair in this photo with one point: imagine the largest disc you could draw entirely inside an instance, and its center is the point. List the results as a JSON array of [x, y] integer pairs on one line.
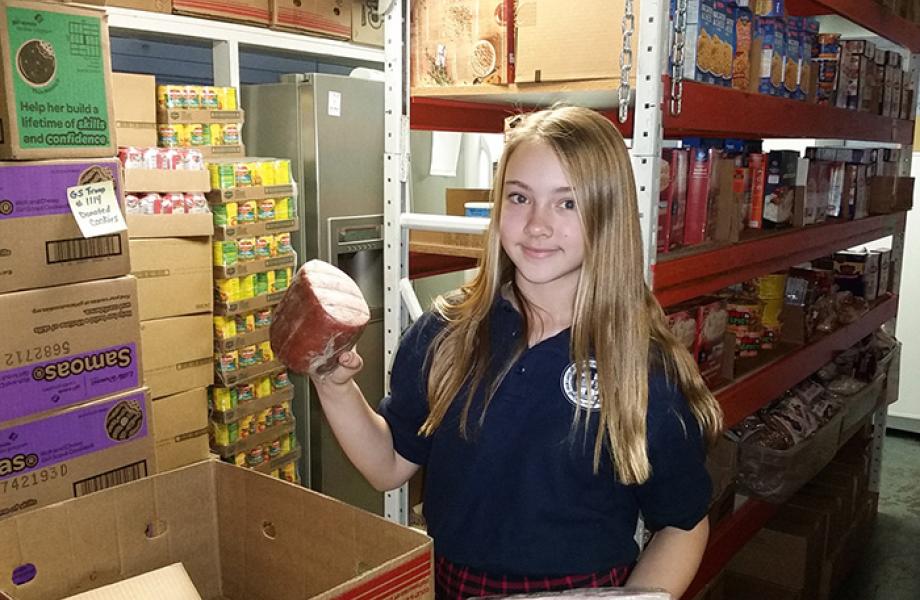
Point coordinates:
[[617, 321]]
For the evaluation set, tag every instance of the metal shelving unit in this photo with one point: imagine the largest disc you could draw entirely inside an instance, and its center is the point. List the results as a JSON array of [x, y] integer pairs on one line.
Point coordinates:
[[706, 110]]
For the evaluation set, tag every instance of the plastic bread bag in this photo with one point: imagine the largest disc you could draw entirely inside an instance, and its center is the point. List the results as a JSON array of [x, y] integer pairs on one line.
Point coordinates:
[[593, 594]]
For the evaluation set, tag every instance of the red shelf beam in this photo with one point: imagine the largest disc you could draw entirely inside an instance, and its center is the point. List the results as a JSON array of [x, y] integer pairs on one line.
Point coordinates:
[[435, 114], [422, 264], [728, 537], [749, 393], [685, 277], [865, 13], [714, 111]]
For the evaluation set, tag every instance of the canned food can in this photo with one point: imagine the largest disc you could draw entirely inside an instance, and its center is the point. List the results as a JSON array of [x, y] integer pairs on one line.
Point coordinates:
[[226, 253], [270, 280], [266, 170], [246, 249], [243, 175], [263, 318], [283, 209], [224, 214], [152, 158], [196, 135], [247, 287], [175, 202], [264, 248], [196, 203], [247, 426], [223, 175], [182, 134], [282, 171], [283, 244], [228, 361], [245, 323], [246, 212], [131, 157], [265, 351], [248, 356], [171, 96], [254, 457], [231, 134], [228, 290], [240, 458], [194, 160], [224, 398], [282, 279], [245, 392], [280, 380], [264, 387], [193, 97], [261, 284], [149, 204], [209, 98], [267, 210], [264, 420], [224, 327], [285, 444], [233, 432], [275, 449], [168, 136], [215, 134], [226, 98], [279, 414], [132, 204]]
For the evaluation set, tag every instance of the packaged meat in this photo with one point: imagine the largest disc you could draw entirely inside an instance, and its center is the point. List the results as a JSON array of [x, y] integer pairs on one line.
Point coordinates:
[[321, 315]]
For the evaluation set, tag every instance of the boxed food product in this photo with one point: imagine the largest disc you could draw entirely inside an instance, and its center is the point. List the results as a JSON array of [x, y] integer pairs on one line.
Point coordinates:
[[856, 86], [884, 270], [167, 582], [779, 189], [683, 325], [733, 199], [74, 452], [715, 44], [712, 322], [857, 272], [744, 39], [745, 322], [701, 195], [40, 241], [180, 425], [465, 42], [757, 163], [56, 70], [170, 368], [256, 542], [66, 345], [246, 11], [768, 8], [672, 201], [804, 211], [174, 276], [327, 17], [793, 62], [768, 56], [827, 61], [367, 22]]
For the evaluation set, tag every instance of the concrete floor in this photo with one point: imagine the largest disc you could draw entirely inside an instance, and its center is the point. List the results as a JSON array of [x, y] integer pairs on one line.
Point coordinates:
[[890, 569]]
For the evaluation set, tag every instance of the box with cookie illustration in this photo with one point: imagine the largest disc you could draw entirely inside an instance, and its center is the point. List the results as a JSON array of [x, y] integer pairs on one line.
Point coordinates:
[[67, 345], [40, 242], [75, 452], [715, 44], [56, 69], [768, 57]]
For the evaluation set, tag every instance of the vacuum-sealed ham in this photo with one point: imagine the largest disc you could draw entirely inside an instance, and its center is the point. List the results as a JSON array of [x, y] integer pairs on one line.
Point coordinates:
[[322, 314]]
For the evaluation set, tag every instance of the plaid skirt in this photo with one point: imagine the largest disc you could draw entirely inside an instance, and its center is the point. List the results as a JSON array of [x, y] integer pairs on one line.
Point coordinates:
[[453, 582]]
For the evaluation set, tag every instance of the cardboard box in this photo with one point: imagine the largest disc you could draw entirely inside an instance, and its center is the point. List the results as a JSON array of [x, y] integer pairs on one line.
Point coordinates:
[[163, 180], [170, 582], [890, 194], [821, 503], [837, 567], [40, 242], [553, 42], [722, 465], [743, 587], [330, 18], [160, 6], [464, 42], [180, 426], [160, 226], [672, 201], [178, 353], [66, 345], [734, 188], [240, 535], [779, 190], [786, 552], [244, 11], [452, 244], [74, 452], [134, 98], [701, 195], [56, 69], [173, 276], [366, 22]]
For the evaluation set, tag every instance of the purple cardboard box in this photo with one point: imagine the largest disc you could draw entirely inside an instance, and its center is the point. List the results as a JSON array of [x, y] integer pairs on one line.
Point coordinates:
[[40, 242]]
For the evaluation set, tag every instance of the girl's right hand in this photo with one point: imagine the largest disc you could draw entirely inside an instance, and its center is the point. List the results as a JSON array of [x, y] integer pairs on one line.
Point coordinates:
[[349, 364]]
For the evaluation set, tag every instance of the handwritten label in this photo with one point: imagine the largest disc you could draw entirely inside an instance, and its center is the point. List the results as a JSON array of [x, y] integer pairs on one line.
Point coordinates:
[[95, 207], [335, 104]]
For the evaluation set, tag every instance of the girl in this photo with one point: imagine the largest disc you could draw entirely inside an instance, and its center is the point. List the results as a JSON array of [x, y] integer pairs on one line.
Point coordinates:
[[547, 399]]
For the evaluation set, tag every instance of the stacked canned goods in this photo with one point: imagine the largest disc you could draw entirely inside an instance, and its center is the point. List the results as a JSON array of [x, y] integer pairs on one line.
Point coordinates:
[[198, 116]]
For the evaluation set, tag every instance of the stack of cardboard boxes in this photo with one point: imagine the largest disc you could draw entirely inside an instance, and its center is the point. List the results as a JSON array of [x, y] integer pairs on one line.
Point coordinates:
[[170, 257], [74, 415]]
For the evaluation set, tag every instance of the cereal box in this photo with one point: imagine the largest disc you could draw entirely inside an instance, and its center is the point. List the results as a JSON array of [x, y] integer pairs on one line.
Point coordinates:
[[682, 323], [768, 54], [793, 64], [758, 166], [715, 46], [672, 201], [744, 38], [768, 8], [712, 321]]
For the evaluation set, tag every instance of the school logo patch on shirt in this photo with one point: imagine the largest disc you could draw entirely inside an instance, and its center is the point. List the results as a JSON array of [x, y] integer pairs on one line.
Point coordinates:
[[587, 395]]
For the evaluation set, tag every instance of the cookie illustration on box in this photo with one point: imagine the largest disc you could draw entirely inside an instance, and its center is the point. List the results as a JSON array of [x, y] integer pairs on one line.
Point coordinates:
[[36, 62], [124, 420], [95, 174]]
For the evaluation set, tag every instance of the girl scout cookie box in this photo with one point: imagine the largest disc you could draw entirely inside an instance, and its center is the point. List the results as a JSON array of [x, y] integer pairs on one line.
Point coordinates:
[[56, 70]]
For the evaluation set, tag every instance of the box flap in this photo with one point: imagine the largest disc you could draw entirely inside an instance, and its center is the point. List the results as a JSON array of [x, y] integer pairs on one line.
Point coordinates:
[[160, 226], [169, 582], [166, 180]]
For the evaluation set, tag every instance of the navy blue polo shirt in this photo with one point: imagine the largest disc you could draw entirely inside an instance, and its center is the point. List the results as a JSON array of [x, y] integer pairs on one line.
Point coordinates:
[[519, 496]]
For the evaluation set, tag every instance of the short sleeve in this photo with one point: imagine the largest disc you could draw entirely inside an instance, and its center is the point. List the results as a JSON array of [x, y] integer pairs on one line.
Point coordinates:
[[405, 408], [678, 492]]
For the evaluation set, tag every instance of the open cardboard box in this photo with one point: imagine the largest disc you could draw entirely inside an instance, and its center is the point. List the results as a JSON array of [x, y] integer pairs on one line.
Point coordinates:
[[240, 535]]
